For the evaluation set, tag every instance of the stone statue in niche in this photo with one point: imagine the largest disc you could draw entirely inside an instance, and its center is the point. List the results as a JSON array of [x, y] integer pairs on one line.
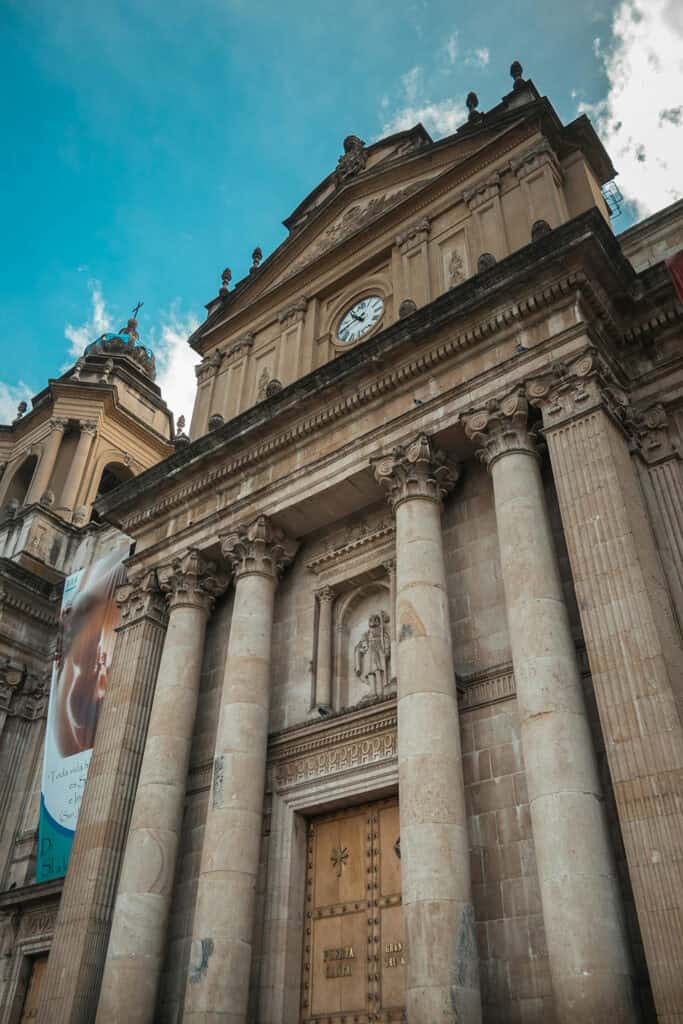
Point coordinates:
[[372, 654]]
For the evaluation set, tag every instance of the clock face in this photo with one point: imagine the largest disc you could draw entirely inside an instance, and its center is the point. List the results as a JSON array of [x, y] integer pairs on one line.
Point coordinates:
[[360, 319]]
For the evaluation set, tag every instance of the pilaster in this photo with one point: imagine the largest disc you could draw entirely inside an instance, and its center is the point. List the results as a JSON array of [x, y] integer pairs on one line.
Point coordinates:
[[632, 641], [74, 972]]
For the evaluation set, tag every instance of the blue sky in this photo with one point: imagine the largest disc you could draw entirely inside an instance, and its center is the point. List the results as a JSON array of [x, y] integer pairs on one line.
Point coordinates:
[[150, 144]]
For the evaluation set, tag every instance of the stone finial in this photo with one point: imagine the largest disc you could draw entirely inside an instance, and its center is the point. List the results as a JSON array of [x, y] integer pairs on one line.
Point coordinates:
[[258, 547], [226, 278], [180, 424], [78, 369], [273, 387], [472, 102], [191, 580], [80, 516], [181, 439], [407, 308], [215, 421], [485, 262], [47, 499], [538, 229], [516, 71], [21, 409], [501, 426], [256, 257], [416, 470], [353, 159]]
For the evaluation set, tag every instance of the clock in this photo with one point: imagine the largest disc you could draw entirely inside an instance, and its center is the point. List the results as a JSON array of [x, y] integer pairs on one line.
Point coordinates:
[[360, 319]]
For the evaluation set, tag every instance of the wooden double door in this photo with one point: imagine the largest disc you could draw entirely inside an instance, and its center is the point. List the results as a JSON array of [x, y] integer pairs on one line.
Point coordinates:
[[354, 952]]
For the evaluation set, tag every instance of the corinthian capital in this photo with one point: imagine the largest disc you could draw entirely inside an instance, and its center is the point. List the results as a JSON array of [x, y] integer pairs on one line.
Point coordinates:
[[190, 580], [572, 389], [416, 470], [141, 598], [653, 434], [258, 547], [501, 426]]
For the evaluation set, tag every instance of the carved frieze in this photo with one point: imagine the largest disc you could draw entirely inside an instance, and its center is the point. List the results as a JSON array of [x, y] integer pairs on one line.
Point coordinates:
[[354, 539]]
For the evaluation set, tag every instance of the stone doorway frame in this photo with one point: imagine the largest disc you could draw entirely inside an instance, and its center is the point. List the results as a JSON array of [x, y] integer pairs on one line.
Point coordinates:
[[279, 995]]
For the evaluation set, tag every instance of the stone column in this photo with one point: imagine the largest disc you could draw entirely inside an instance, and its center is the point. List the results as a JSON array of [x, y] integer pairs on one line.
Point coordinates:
[[442, 977], [74, 971], [662, 475], [143, 901], [582, 909], [633, 646], [75, 475], [220, 958], [43, 471], [323, 667]]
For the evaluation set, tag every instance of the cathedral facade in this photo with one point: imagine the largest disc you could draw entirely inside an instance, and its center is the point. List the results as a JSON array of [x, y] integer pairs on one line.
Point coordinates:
[[392, 730]]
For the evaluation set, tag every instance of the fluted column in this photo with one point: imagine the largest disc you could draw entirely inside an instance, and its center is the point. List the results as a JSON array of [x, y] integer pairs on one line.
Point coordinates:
[[43, 471], [323, 667], [442, 982], [143, 901], [582, 911], [75, 475], [74, 971], [633, 646], [220, 958], [662, 470]]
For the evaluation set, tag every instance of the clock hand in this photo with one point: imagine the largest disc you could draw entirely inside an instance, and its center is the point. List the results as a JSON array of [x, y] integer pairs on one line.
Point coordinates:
[[360, 319]]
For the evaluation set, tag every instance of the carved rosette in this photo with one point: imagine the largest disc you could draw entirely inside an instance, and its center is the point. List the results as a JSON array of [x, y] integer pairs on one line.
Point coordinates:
[[501, 426], [416, 470], [191, 581], [140, 598], [258, 547], [573, 389]]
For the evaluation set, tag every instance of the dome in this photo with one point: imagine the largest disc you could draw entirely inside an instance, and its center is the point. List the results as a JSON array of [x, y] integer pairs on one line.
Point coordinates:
[[124, 342]]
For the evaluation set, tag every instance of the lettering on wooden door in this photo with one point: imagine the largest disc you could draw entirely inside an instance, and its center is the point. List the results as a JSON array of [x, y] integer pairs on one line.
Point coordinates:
[[354, 948]]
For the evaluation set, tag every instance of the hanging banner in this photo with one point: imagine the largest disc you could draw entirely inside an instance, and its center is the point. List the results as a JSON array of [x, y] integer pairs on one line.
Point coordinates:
[[89, 617]]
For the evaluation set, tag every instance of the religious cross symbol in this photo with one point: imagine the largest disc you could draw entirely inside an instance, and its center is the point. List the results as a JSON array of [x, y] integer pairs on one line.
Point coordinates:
[[339, 857], [137, 309]]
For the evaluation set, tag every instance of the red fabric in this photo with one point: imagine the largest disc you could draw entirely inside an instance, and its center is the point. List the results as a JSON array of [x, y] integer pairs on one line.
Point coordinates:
[[675, 265]]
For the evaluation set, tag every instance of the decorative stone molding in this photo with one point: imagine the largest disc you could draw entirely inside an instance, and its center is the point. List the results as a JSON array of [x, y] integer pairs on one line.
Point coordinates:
[[416, 470], [209, 365], [325, 595], [653, 436], [572, 389], [483, 192], [140, 598], [29, 608], [58, 423], [341, 745], [535, 158], [363, 536], [39, 923], [88, 427], [486, 688], [294, 313], [190, 580], [242, 344], [501, 427], [414, 233], [407, 308], [258, 547], [22, 693]]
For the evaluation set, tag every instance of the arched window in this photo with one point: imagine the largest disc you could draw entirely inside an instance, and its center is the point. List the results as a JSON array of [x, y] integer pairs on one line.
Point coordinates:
[[21, 481], [113, 474]]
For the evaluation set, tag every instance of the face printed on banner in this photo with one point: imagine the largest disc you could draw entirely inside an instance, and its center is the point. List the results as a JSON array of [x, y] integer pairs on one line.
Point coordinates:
[[88, 640]]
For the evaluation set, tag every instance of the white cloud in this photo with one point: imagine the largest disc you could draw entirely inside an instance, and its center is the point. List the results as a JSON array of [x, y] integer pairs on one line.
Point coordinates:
[[412, 83], [478, 58], [100, 321], [641, 119], [438, 118], [176, 361], [10, 396], [452, 48]]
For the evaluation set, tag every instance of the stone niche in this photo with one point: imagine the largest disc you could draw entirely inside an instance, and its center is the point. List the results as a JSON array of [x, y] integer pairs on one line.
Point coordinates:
[[362, 660]]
